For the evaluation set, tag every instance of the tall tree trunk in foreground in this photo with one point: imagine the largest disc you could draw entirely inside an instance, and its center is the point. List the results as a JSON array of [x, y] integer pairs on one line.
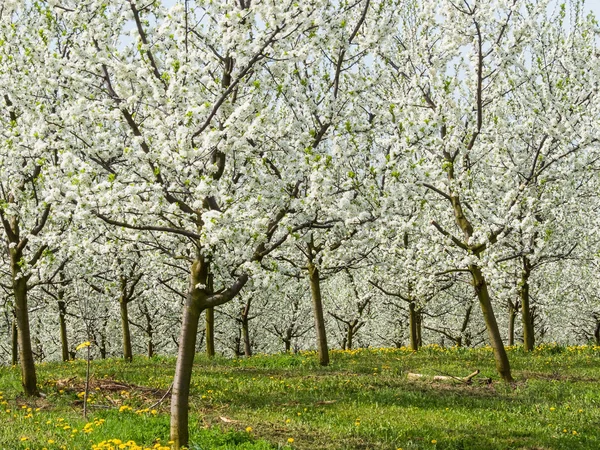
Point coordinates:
[[502, 364], [479, 282], [197, 301], [183, 373]]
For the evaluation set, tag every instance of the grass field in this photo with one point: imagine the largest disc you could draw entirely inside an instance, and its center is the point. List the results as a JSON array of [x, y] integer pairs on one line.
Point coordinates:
[[362, 401]]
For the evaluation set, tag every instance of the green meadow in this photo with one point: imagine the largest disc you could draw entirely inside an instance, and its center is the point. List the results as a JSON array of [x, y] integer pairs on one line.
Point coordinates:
[[363, 400]]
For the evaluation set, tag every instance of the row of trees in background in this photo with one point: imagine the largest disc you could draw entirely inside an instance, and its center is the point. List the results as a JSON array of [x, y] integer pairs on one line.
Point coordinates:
[[396, 172]]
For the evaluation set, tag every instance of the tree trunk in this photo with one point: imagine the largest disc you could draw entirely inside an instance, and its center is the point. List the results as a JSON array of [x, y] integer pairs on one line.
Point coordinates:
[[246, 334], [419, 317], [15, 343], [350, 334], [183, 373], [28, 376], [502, 364], [64, 343], [150, 347], [288, 340], [463, 329], [315, 288], [210, 332], [246, 327], [526, 316], [127, 353], [412, 322], [512, 314], [597, 333]]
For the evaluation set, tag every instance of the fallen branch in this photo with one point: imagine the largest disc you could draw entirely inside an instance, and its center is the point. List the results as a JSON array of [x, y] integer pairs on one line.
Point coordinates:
[[466, 380], [163, 397]]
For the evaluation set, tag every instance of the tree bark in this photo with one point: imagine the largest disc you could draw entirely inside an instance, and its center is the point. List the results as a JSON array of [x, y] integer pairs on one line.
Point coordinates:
[[315, 288], [246, 333], [464, 338], [64, 342], [28, 375], [512, 314], [210, 332], [419, 318], [526, 316], [102, 346], [15, 343], [127, 352], [412, 321], [288, 340], [350, 334], [480, 284], [597, 333], [183, 373]]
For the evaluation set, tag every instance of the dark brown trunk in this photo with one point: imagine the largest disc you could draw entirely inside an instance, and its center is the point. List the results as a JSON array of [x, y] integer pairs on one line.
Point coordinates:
[[480, 284], [127, 352], [210, 332], [526, 316], [597, 333], [350, 334], [246, 334], [288, 340], [246, 327], [512, 315], [62, 322], [28, 375], [412, 322], [317, 301]]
